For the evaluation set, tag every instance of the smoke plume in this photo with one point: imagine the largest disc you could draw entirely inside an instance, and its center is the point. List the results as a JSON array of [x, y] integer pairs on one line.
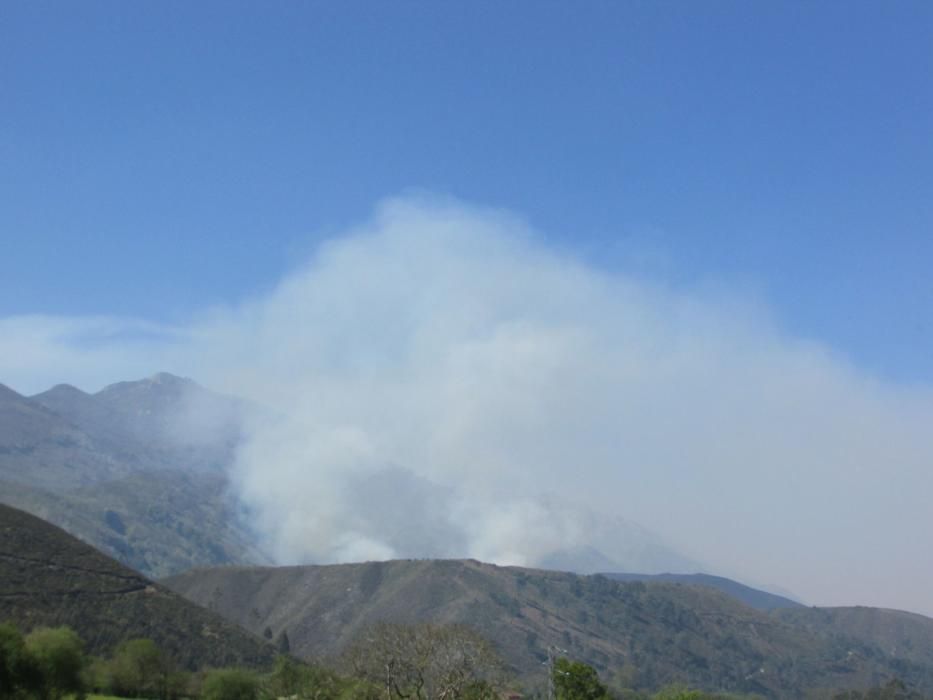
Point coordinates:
[[440, 382]]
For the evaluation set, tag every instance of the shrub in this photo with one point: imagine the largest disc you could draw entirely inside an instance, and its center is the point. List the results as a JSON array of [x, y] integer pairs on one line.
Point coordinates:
[[230, 684]]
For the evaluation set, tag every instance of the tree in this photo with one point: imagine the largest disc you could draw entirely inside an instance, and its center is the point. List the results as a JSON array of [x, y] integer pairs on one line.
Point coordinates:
[[293, 679], [59, 658], [286, 678], [424, 662], [18, 670], [575, 680], [894, 689], [139, 669], [479, 690], [679, 692], [282, 644], [230, 684]]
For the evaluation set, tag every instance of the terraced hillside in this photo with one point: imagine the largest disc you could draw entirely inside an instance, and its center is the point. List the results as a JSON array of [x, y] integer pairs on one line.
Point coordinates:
[[49, 578]]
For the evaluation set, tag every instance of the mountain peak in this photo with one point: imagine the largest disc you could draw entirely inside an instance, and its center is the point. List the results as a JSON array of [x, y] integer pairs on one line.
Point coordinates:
[[168, 378], [8, 394], [159, 380], [63, 390]]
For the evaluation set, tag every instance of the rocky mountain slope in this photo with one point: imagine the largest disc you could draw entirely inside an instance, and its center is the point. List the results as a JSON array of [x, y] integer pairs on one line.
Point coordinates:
[[49, 578], [137, 470], [637, 634]]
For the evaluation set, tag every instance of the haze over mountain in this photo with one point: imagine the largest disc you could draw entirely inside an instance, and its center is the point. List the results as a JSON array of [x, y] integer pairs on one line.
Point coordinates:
[[154, 496], [139, 469], [534, 405]]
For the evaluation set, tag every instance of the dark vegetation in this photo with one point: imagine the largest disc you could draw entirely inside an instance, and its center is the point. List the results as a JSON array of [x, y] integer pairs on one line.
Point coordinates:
[[49, 578], [752, 597], [390, 662], [639, 636], [49, 664], [484, 629]]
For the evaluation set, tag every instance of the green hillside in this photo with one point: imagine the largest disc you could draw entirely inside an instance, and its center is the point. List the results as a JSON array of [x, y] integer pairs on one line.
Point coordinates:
[[49, 578], [753, 597], [638, 635]]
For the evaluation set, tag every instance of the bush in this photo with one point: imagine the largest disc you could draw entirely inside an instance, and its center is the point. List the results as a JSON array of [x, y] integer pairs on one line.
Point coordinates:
[[230, 684], [139, 669], [18, 670], [575, 680], [59, 657]]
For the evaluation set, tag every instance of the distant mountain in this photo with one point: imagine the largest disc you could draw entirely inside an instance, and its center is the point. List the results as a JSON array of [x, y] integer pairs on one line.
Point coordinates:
[[137, 469], [760, 600], [42, 448], [157, 522], [613, 543], [637, 634], [164, 419], [49, 578]]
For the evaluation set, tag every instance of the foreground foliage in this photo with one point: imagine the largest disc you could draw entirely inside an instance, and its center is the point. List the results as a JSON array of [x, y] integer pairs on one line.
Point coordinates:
[[47, 664], [390, 662], [574, 680], [426, 661]]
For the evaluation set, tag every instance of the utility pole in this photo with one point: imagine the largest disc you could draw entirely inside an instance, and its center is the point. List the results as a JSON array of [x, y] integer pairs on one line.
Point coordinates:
[[550, 669]]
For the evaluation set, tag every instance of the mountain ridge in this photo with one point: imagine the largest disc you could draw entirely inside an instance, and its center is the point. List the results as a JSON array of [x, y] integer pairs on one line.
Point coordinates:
[[754, 597], [59, 443], [148, 454], [636, 634]]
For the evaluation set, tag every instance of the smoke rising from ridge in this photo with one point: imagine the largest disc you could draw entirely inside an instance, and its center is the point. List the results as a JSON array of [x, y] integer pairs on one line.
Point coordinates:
[[442, 383]]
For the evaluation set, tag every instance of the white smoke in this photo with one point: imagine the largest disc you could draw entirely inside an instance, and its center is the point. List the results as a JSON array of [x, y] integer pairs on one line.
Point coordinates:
[[442, 383]]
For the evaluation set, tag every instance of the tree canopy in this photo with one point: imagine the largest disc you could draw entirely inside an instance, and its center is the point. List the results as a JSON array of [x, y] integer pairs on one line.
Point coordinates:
[[58, 654], [575, 680], [425, 662]]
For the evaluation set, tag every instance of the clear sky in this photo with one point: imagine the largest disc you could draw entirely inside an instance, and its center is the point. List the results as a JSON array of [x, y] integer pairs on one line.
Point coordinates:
[[159, 157], [670, 261]]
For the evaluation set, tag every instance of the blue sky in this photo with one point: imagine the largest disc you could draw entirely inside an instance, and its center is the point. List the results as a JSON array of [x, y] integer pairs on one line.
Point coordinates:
[[157, 158]]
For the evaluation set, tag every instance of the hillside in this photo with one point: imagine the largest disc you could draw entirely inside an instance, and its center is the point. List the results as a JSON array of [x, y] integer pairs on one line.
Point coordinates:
[[48, 577], [137, 470], [39, 447], [753, 597], [897, 635], [640, 635], [166, 419], [157, 522]]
